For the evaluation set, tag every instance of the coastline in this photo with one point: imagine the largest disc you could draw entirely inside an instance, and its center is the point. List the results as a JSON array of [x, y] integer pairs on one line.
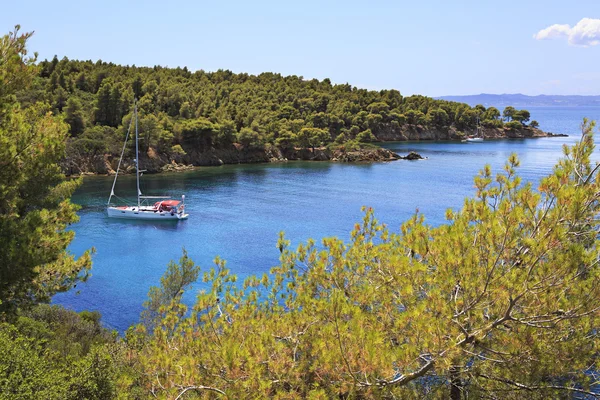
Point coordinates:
[[105, 164]]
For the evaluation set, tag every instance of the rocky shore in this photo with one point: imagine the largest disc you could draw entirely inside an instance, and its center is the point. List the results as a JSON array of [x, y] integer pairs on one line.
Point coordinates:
[[152, 162], [418, 132], [155, 163]]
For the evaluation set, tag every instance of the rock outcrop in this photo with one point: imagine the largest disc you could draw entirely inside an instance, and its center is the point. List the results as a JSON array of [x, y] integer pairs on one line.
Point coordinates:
[[324, 154], [392, 133], [413, 155], [153, 162]]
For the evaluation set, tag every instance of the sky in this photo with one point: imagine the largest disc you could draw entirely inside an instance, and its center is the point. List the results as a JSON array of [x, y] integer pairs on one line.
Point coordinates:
[[434, 48]]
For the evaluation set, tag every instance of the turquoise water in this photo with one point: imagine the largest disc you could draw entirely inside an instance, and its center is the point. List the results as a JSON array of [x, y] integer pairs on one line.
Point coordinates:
[[237, 211]]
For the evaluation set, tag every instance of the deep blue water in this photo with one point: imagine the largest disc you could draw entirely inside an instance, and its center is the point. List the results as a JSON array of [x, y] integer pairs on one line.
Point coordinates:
[[237, 211]]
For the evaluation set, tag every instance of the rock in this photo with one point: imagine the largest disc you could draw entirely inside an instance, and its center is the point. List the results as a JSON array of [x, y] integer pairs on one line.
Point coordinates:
[[413, 156], [154, 162], [364, 155]]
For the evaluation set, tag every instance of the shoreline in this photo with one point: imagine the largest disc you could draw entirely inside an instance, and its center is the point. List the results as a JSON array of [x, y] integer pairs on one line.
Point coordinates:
[[105, 164], [152, 163]]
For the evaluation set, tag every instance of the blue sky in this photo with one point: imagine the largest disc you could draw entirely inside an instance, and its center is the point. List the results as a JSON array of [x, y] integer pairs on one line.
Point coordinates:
[[419, 47]]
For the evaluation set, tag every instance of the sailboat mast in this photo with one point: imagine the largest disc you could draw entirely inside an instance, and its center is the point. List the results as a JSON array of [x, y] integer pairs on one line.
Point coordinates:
[[137, 155], [112, 190]]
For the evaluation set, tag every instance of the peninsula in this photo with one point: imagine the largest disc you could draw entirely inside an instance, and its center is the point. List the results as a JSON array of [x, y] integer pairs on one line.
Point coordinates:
[[213, 118]]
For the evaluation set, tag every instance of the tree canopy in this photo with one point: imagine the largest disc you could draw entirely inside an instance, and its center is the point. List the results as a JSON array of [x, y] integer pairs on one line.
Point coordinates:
[[45, 352], [35, 205], [503, 301], [258, 110]]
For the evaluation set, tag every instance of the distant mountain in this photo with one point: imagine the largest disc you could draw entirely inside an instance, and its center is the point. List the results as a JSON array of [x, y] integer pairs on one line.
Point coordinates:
[[521, 100]]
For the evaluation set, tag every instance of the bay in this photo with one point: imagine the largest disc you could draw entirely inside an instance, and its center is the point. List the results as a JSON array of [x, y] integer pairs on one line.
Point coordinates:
[[237, 211]]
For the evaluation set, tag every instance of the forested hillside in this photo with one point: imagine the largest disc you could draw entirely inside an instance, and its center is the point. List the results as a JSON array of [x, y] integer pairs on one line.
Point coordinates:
[[183, 111]]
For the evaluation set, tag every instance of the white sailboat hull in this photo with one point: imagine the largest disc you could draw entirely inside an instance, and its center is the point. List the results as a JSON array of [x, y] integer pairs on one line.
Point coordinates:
[[476, 139], [145, 213]]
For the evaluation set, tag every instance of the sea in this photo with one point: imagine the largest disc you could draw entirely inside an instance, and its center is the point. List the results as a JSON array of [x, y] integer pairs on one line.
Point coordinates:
[[237, 211]]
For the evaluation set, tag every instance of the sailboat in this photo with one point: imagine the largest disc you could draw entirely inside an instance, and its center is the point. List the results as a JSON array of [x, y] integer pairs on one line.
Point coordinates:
[[477, 137], [163, 208]]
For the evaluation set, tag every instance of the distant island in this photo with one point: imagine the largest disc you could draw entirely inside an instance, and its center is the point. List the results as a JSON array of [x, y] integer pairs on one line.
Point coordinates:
[[522, 100]]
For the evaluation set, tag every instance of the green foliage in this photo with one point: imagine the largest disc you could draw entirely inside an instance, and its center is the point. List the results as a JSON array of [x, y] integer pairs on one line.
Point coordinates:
[[74, 116], [366, 136], [226, 133], [534, 124], [255, 111], [110, 106], [312, 137], [513, 125], [378, 107], [522, 116], [197, 133], [186, 110], [490, 304], [34, 195], [103, 115], [16, 68], [173, 283], [286, 139], [508, 113], [152, 134], [438, 117], [512, 114], [136, 87], [493, 123], [340, 139], [480, 109], [25, 370], [53, 353], [250, 138], [65, 332], [349, 145], [491, 114], [177, 149], [468, 119], [414, 117], [60, 99], [81, 82], [93, 142]]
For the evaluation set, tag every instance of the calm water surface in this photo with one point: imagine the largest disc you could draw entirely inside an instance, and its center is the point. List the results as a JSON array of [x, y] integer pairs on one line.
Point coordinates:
[[236, 212]]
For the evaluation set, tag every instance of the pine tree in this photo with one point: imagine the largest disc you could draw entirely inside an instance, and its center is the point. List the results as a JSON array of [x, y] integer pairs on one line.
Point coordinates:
[[136, 86], [62, 81], [60, 99], [102, 111], [115, 106], [74, 116], [34, 201], [53, 64], [503, 301], [53, 83], [81, 82]]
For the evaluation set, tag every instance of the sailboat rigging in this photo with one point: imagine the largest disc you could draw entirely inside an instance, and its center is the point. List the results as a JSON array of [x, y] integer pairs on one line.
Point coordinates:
[[163, 209], [478, 135]]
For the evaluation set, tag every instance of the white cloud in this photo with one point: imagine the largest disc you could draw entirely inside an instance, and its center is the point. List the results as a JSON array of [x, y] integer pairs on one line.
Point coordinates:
[[585, 33], [553, 32]]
